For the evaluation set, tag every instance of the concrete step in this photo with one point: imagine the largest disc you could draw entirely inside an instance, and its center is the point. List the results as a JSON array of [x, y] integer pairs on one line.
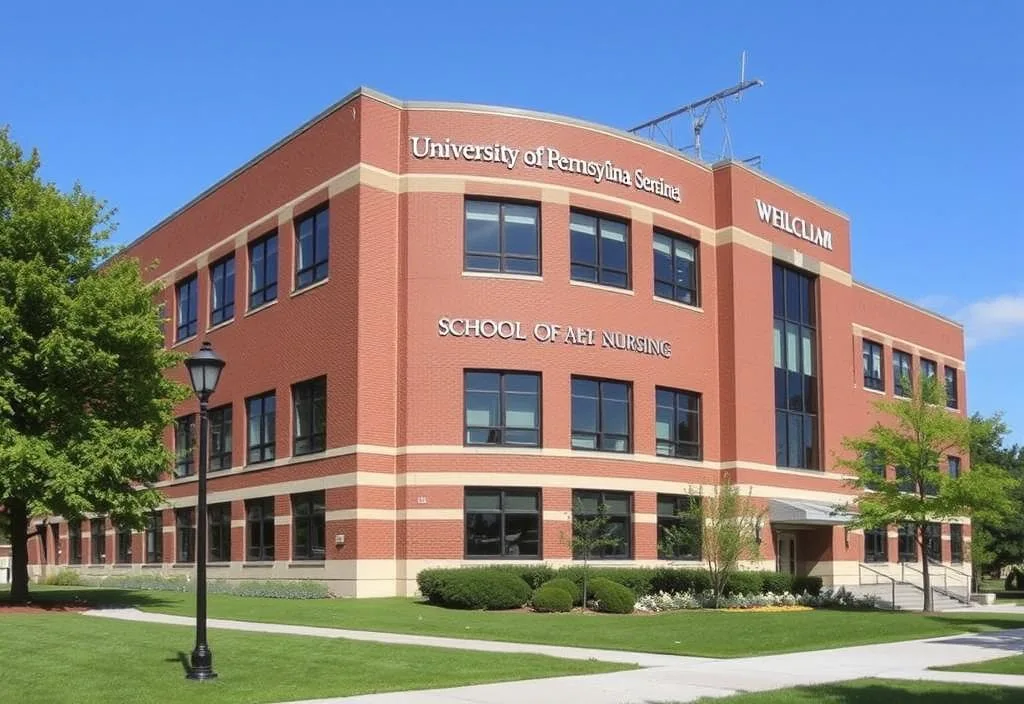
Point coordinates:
[[909, 597]]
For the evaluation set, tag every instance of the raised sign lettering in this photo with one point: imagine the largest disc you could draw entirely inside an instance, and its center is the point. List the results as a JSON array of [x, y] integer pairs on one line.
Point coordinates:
[[798, 227]]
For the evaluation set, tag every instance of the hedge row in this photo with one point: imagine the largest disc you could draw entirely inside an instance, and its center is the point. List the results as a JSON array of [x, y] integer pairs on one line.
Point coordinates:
[[274, 589]]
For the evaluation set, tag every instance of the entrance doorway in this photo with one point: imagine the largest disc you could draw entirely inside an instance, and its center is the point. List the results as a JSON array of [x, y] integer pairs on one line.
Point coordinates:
[[785, 553]]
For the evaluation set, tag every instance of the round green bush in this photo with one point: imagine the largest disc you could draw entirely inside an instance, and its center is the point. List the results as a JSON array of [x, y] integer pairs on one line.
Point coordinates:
[[492, 590], [552, 597], [613, 598], [568, 585]]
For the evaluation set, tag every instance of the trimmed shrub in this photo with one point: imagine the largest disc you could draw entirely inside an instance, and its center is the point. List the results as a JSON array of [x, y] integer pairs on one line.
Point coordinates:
[[533, 575], [273, 589], [673, 580], [613, 598], [64, 578], [776, 582], [638, 579], [568, 585], [480, 589], [811, 585], [553, 597], [744, 582], [429, 581]]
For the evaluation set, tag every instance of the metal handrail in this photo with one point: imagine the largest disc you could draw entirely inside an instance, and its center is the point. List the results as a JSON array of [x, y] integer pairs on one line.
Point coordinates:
[[954, 570], [878, 573], [944, 589]]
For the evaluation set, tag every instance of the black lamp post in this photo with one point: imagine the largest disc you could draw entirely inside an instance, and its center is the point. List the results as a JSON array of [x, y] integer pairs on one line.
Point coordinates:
[[204, 368]]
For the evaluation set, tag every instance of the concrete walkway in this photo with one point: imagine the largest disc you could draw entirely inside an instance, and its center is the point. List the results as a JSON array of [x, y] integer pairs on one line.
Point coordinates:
[[665, 678]]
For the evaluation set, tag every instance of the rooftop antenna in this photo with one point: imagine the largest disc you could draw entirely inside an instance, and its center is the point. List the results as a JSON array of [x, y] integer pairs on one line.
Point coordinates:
[[661, 128]]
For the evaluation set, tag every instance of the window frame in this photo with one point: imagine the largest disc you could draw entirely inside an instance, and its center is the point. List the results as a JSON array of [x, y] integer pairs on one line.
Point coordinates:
[[313, 268], [184, 434], [951, 462], [122, 546], [317, 502], [74, 542], [933, 539], [869, 349], [316, 389], [267, 449], [262, 296], [698, 446], [629, 521], [501, 255], [927, 365], [186, 328], [218, 519], [599, 434], [502, 512], [155, 528], [676, 239], [599, 266], [906, 532], [503, 429], [956, 543], [221, 421], [225, 312], [898, 388], [263, 551], [185, 535], [663, 521], [952, 392], [876, 556], [97, 557]]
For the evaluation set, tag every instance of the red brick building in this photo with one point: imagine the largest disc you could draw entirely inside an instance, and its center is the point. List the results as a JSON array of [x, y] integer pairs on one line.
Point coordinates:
[[444, 323]]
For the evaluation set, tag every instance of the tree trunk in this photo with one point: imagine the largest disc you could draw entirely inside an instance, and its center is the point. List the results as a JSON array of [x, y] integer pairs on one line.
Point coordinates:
[[926, 579], [17, 513]]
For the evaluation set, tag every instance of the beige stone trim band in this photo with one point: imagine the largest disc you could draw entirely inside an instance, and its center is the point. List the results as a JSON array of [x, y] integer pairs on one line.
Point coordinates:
[[905, 345]]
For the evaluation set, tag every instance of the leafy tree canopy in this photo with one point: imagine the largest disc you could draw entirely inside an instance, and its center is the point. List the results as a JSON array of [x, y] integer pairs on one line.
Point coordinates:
[[998, 541]]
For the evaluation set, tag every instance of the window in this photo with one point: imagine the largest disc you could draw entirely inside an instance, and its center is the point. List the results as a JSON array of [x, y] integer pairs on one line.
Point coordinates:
[[184, 445], [220, 532], [74, 542], [929, 369], [259, 529], [953, 463], [873, 366], [618, 508], [600, 415], [310, 405], [674, 512], [677, 423], [796, 384], [503, 523], [902, 374], [185, 530], [187, 295], [599, 250], [124, 544], [220, 438], [933, 542], [956, 543], [260, 410], [263, 271], [155, 538], [502, 408], [874, 460], [907, 543], [308, 526], [876, 545], [312, 237], [222, 290], [675, 269], [905, 479], [951, 389], [502, 237], [98, 540]]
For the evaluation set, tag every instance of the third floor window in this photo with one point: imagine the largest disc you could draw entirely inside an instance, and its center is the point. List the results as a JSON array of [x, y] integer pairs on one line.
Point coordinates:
[[873, 378], [951, 388], [312, 239], [502, 237], [222, 290], [263, 271], [599, 250], [675, 269], [187, 294], [902, 373]]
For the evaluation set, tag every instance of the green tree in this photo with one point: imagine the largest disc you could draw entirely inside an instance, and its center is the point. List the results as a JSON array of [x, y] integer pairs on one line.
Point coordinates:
[[915, 436], [84, 399], [590, 535]]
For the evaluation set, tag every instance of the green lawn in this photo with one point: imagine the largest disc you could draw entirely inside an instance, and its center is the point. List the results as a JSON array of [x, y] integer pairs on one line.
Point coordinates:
[[701, 633], [1013, 665], [872, 691], [75, 659]]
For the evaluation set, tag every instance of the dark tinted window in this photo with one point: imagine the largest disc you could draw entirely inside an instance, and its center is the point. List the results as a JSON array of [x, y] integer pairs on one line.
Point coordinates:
[[601, 418], [502, 237], [263, 270], [675, 269], [502, 408], [599, 250], [312, 233], [222, 290], [503, 523]]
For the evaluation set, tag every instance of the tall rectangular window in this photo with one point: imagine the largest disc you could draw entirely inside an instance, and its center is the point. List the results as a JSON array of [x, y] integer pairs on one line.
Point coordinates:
[[220, 438], [502, 408], [619, 510], [675, 518], [876, 545], [74, 542], [312, 244], [599, 250], [951, 388], [907, 543], [154, 537], [222, 290], [902, 374], [677, 423], [796, 383], [953, 464], [98, 540], [259, 529], [263, 270], [675, 269], [185, 532], [309, 400], [873, 378], [929, 369], [261, 418], [933, 541], [601, 418], [502, 523], [124, 545], [905, 480], [502, 237], [184, 445], [187, 296], [220, 532], [956, 543], [875, 461], [308, 526]]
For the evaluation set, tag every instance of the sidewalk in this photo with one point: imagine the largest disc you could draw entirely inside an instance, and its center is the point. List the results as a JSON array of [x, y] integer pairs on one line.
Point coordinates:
[[665, 678]]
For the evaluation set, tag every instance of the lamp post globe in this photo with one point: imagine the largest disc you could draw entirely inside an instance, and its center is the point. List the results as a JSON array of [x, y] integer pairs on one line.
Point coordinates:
[[204, 370]]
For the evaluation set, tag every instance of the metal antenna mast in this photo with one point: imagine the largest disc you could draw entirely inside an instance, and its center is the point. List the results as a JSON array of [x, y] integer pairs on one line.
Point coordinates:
[[661, 128]]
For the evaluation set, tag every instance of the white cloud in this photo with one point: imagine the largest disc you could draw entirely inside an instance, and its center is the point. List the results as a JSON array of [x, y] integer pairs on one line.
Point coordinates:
[[992, 319]]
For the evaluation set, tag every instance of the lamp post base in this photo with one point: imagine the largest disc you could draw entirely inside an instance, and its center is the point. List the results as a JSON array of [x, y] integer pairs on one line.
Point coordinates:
[[202, 665]]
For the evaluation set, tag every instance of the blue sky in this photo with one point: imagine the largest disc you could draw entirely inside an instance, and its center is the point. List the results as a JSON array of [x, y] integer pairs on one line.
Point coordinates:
[[903, 115]]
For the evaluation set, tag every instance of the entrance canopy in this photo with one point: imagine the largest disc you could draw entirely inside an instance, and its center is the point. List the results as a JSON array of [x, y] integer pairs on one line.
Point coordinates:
[[813, 513]]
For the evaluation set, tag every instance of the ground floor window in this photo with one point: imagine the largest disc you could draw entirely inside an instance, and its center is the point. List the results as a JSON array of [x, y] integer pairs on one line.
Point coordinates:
[[308, 526], [907, 543], [98, 540], [933, 541], [956, 542], [124, 544], [155, 538], [619, 510], [220, 532], [259, 529], [185, 530], [876, 545], [503, 523], [74, 542], [678, 530]]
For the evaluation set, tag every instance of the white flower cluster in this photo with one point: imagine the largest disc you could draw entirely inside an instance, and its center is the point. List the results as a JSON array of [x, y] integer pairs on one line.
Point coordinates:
[[828, 598]]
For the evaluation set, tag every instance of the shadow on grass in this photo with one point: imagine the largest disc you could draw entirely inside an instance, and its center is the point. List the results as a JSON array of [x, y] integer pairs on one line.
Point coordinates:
[[182, 658], [913, 693], [87, 597]]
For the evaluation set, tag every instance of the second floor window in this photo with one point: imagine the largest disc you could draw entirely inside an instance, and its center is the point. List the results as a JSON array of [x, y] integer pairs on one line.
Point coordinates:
[[184, 445], [600, 415], [310, 401], [902, 374], [599, 250], [311, 251], [222, 290], [677, 423], [502, 408], [220, 438], [873, 366], [951, 389], [953, 463], [187, 296], [502, 237], [261, 414], [263, 271], [675, 269]]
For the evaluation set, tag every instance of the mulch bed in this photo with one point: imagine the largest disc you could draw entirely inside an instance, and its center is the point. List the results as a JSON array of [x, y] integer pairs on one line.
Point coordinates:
[[42, 607]]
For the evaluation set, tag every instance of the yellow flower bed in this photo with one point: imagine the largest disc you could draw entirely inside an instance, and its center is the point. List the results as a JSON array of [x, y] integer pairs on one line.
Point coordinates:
[[773, 608]]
